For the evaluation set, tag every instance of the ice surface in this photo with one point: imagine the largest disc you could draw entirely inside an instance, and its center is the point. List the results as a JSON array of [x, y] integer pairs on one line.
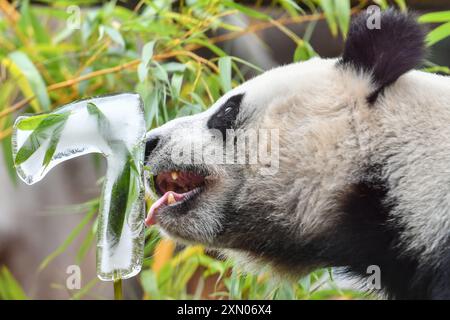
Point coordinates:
[[113, 126]]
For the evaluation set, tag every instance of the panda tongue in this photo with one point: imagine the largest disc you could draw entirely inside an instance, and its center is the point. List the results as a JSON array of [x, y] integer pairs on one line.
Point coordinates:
[[168, 198]]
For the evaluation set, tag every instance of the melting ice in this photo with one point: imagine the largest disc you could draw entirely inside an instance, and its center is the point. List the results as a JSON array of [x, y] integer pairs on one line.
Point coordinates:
[[113, 126]]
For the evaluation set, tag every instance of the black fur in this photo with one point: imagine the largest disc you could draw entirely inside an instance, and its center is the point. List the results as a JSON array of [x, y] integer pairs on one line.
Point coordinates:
[[364, 233], [150, 145], [368, 235], [225, 117], [387, 53]]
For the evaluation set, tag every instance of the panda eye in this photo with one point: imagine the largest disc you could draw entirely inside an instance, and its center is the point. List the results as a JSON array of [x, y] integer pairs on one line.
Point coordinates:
[[225, 117]]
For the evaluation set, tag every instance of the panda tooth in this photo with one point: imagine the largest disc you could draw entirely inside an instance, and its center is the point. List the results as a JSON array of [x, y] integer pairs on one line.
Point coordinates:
[[170, 198], [174, 175]]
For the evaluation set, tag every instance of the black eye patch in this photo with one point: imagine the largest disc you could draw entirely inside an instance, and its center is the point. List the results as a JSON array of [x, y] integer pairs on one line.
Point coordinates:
[[225, 117]]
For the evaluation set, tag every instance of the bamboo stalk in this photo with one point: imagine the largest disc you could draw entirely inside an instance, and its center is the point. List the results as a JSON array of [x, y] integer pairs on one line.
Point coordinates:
[[118, 295]]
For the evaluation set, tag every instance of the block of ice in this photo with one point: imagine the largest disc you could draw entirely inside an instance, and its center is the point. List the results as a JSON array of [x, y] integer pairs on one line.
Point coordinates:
[[113, 126]]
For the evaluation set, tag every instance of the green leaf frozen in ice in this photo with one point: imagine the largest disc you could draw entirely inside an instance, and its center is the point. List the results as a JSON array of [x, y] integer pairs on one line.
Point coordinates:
[[125, 190], [56, 134], [48, 128], [31, 123], [118, 205]]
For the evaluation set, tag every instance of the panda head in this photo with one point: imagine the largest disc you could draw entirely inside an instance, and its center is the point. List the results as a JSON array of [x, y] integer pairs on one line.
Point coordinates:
[[303, 121]]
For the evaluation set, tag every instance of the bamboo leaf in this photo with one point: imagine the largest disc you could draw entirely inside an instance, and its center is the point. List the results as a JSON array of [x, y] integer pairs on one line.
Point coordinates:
[[401, 4], [31, 123], [49, 127], [304, 52], [7, 156], [86, 244], [147, 52], [292, 7], [435, 17], [176, 83], [343, 15], [328, 9], [150, 283], [28, 79], [10, 289], [54, 139], [225, 73], [70, 238], [151, 108], [438, 34], [119, 202], [124, 192], [86, 288], [115, 36], [382, 3], [31, 25], [246, 10]]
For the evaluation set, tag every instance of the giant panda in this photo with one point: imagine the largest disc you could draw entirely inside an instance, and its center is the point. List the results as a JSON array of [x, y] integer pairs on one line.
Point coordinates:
[[363, 172]]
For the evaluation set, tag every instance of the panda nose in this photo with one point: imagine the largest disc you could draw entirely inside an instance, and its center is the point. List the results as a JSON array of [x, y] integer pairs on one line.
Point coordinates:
[[151, 144]]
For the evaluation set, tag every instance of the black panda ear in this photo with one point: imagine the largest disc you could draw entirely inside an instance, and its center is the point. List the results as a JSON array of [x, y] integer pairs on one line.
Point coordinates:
[[397, 46]]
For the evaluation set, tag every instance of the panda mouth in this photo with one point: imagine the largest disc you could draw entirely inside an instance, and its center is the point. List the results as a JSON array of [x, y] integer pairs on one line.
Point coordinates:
[[176, 189]]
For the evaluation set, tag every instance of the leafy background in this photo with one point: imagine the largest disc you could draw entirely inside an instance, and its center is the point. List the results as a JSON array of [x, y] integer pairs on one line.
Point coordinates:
[[171, 53]]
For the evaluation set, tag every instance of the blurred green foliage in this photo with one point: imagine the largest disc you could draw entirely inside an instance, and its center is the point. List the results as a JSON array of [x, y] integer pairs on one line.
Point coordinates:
[[54, 52]]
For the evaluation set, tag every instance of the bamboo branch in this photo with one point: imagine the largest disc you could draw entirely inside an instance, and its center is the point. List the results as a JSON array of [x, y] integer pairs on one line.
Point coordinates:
[[9, 11], [5, 133]]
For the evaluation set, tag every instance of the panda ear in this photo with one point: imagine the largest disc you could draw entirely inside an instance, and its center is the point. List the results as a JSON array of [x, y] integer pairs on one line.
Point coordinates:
[[387, 52]]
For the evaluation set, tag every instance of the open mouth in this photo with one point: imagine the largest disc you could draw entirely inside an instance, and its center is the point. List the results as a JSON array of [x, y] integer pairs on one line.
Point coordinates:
[[175, 188]]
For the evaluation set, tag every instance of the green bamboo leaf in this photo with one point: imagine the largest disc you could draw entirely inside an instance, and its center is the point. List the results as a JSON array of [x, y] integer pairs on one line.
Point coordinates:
[[86, 244], [54, 139], [124, 192], [246, 10], [133, 190], [33, 76], [304, 52], [438, 34], [328, 9], [248, 64], [43, 132], [147, 52], [292, 7], [29, 80], [118, 205], [150, 283], [63, 34], [8, 158], [215, 49], [151, 108], [401, 4], [7, 89], [225, 73], [382, 3], [173, 67], [103, 122], [176, 83], [10, 289], [70, 238], [343, 15], [31, 25], [85, 289], [115, 36], [160, 73], [435, 17], [31, 123], [185, 273]]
